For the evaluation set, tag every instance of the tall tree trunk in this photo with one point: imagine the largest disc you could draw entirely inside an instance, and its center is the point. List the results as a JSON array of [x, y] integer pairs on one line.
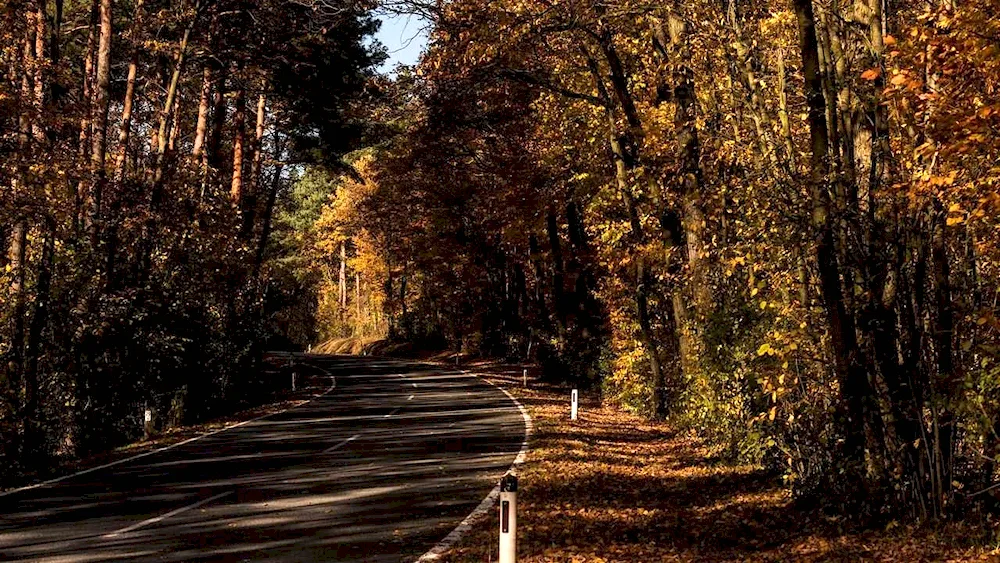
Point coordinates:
[[689, 156], [786, 127], [948, 382], [214, 148], [98, 150], [642, 282], [204, 104], [88, 83], [128, 105], [40, 318], [558, 271], [239, 138], [166, 113], [17, 254], [18, 246], [343, 278], [272, 197], [854, 386], [624, 152], [253, 193], [358, 325]]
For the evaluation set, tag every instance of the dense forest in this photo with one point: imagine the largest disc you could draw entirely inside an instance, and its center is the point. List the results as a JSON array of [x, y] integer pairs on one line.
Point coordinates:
[[143, 147], [773, 223]]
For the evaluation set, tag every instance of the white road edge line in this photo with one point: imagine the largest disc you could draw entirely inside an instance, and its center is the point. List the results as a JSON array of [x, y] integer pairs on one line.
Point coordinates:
[[333, 385], [342, 444], [163, 517], [486, 505]]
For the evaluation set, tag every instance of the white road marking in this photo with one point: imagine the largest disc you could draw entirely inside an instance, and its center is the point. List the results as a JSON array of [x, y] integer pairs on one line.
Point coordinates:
[[333, 385], [390, 414], [170, 514], [484, 507], [342, 444]]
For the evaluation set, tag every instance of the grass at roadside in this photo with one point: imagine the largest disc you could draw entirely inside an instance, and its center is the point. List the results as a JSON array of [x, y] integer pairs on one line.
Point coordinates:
[[613, 487]]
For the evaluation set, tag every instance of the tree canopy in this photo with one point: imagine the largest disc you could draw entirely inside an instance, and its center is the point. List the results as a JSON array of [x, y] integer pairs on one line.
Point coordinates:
[[774, 223]]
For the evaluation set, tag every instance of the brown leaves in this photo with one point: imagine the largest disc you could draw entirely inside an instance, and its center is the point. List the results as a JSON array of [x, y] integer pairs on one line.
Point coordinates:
[[871, 74], [616, 488]]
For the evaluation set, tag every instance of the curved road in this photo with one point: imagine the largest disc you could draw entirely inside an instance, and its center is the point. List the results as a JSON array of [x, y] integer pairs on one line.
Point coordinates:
[[379, 469]]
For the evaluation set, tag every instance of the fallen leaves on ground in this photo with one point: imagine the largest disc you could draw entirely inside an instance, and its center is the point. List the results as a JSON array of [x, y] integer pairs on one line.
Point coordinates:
[[613, 487]]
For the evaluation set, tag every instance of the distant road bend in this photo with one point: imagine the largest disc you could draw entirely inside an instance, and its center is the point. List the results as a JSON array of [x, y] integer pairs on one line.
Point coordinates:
[[379, 469]]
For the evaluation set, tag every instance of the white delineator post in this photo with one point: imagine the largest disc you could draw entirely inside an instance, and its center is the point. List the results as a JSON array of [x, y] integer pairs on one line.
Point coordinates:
[[508, 519], [575, 399], [525, 377]]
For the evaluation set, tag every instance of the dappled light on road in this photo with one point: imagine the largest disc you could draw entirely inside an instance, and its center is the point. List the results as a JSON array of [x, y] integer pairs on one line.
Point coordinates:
[[272, 490]]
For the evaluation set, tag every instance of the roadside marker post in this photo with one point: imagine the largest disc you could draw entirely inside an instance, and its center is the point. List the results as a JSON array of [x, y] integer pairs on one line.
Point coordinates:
[[525, 377], [574, 407], [508, 519], [147, 424]]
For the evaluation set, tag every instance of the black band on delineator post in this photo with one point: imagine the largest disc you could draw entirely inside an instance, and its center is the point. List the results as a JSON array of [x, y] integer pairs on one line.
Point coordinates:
[[508, 484]]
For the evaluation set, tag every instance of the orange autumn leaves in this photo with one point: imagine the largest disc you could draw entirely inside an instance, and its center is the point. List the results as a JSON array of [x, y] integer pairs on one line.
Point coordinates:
[[615, 488]]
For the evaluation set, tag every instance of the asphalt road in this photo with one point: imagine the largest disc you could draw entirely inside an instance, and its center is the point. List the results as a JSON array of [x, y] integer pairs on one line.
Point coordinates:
[[378, 469]]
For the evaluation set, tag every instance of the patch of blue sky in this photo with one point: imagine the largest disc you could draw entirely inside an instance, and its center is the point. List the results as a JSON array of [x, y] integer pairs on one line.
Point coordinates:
[[404, 37]]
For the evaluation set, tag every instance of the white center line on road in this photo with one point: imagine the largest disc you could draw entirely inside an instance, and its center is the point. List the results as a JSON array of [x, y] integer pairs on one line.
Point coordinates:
[[390, 414], [342, 444], [170, 514]]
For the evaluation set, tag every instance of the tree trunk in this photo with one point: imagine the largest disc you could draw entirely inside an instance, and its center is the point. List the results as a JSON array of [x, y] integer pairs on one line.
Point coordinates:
[[642, 282], [17, 254], [786, 127], [689, 157], [204, 102], [40, 318], [272, 197], [854, 386], [558, 272], [166, 113], [358, 325], [343, 278], [98, 150], [214, 150], [239, 138], [88, 82], [253, 193], [124, 135], [948, 383]]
